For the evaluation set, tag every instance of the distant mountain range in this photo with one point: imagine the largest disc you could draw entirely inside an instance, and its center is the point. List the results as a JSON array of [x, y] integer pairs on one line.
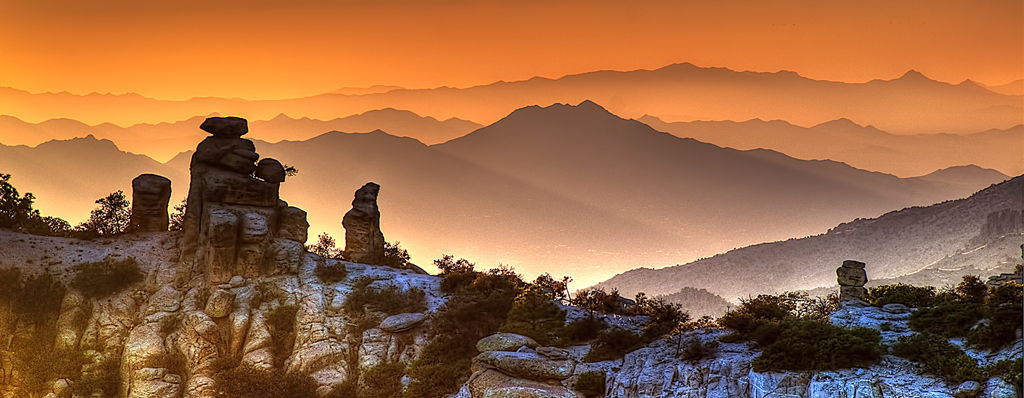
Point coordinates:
[[912, 103], [979, 235], [864, 147], [164, 140], [560, 189]]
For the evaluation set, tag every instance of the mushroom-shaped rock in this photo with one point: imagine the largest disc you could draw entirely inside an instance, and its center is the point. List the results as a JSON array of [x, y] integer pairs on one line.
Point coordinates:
[[504, 342], [401, 322], [230, 126], [528, 365], [270, 170]]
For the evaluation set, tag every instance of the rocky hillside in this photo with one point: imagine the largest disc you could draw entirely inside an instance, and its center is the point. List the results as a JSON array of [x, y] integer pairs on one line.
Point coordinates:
[[980, 234]]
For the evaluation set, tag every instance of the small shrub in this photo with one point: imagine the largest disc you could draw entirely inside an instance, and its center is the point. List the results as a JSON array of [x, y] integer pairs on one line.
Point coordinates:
[[591, 384], [102, 278], [950, 319], [382, 381], [535, 315], [664, 316], [612, 344], [912, 296], [939, 357], [281, 321], [245, 381], [38, 300], [395, 256], [330, 273], [817, 345], [441, 368], [325, 247], [1009, 371], [585, 329], [693, 349], [971, 289], [366, 298]]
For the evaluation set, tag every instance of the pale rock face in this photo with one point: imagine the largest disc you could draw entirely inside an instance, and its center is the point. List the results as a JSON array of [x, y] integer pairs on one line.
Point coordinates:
[[527, 365], [997, 388], [504, 342], [968, 389], [167, 299], [72, 311], [154, 383]]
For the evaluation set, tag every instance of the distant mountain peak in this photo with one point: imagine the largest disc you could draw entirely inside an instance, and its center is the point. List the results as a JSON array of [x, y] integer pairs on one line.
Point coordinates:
[[841, 122], [913, 75]]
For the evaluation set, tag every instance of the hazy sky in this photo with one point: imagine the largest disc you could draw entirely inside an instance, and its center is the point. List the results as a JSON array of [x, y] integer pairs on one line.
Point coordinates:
[[267, 49]]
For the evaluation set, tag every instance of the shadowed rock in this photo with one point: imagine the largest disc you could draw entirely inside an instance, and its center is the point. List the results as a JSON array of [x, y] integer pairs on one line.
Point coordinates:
[[150, 194], [852, 277], [364, 242]]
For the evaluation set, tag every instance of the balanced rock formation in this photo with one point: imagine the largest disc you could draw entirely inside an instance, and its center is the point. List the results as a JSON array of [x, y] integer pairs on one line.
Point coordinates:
[[498, 372], [150, 194], [233, 220], [851, 278], [364, 243]]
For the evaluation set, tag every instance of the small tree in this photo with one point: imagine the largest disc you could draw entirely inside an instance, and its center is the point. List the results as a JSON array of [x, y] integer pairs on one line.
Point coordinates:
[[395, 256], [325, 247], [448, 265], [16, 213], [972, 289], [535, 315], [111, 217], [177, 217], [556, 289]]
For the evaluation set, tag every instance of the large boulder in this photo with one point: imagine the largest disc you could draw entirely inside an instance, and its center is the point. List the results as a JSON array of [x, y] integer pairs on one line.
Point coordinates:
[[401, 322], [504, 342]]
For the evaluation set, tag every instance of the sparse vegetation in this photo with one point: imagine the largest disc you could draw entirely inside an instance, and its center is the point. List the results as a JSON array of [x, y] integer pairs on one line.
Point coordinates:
[[939, 357], [244, 381], [395, 256], [177, 217], [591, 384], [598, 301], [330, 273], [102, 278], [613, 343], [664, 317], [382, 381], [535, 315], [989, 321], [281, 321], [693, 349], [38, 299]]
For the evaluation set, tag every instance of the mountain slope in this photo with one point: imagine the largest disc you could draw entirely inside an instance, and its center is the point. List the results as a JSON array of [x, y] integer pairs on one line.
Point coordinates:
[[566, 189], [909, 104], [864, 147], [895, 244], [162, 141]]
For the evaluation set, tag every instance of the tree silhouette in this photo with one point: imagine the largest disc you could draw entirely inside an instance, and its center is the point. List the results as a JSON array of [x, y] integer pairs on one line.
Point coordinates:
[[111, 217]]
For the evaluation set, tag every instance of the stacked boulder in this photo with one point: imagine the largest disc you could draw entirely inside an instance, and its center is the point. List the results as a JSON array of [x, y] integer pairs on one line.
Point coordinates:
[[235, 223], [852, 277], [511, 365]]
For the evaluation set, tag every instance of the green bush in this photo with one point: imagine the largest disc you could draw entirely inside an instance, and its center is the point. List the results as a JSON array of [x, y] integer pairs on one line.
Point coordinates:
[[1003, 310], [441, 368], [591, 384], [758, 319], [102, 278], [281, 321], [585, 329], [971, 289], [912, 296], [111, 217], [535, 315], [395, 256], [950, 319], [597, 300], [38, 300], [939, 357], [478, 306], [665, 317], [693, 349], [613, 343], [1009, 371], [818, 345], [330, 273], [382, 381], [245, 381], [366, 298]]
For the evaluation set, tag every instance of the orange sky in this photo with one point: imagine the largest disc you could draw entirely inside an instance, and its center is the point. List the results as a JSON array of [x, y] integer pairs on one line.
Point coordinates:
[[265, 49]]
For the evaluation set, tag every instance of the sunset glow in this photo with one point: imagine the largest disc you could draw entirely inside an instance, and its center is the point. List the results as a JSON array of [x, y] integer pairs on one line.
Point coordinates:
[[264, 50]]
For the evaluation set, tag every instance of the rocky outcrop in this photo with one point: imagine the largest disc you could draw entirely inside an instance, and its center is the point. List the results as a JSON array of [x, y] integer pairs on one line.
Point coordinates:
[[233, 219], [526, 373], [852, 277], [998, 224], [364, 242], [150, 194]]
